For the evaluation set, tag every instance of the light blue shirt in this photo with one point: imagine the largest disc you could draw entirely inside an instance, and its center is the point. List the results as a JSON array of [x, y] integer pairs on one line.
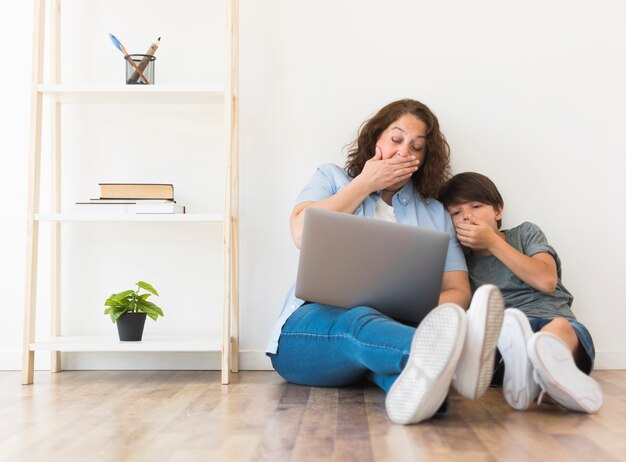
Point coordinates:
[[409, 207]]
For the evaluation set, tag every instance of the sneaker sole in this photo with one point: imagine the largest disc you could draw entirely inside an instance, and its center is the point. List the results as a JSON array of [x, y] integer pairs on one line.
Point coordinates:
[[519, 387], [423, 384], [474, 373], [558, 375]]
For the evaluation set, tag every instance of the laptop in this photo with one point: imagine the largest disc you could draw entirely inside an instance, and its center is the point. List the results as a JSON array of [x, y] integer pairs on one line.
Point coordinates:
[[347, 261]]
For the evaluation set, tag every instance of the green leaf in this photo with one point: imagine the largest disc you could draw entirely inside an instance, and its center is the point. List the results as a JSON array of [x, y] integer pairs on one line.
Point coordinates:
[[150, 309], [122, 295], [112, 302], [115, 316], [153, 316], [150, 312], [115, 312], [151, 305], [148, 287], [144, 296], [121, 299]]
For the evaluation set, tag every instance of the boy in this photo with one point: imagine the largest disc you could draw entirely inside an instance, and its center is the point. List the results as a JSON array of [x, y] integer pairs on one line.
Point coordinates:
[[559, 356]]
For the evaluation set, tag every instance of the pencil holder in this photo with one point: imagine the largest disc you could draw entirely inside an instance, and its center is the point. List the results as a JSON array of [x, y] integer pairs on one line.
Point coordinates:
[[140, 69]]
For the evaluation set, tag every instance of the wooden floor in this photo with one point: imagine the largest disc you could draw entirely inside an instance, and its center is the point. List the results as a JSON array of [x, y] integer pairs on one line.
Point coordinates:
[[189, 416]]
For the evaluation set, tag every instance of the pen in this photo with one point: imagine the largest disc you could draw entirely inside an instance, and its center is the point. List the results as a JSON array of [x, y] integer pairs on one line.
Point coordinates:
[[145, 60], [120, 47]]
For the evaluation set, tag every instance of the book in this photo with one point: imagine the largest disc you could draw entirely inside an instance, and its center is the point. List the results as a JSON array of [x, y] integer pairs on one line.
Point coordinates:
[[140, 207], [153, 207], [136, 191], [106, 208], [127, 201]]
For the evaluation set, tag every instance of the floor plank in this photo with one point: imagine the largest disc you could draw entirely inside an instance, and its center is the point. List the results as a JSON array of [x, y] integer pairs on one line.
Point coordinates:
[[189, 415]]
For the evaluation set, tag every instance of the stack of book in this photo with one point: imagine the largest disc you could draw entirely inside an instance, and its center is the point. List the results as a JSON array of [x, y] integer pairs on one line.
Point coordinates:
[[137, 198]]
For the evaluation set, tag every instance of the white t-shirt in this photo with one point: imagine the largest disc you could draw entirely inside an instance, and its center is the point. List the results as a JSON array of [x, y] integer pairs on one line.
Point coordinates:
[[384, 211]]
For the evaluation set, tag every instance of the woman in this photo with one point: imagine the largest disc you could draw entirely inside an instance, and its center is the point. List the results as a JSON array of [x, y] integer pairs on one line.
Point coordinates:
[[394, 170]]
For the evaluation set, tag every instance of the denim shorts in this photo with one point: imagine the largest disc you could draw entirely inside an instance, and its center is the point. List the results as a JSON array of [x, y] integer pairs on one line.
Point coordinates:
[[584, 337], [536, 324]]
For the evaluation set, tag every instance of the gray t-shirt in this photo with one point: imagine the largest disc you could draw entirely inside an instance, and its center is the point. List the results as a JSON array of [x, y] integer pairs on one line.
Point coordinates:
[[530, 240]]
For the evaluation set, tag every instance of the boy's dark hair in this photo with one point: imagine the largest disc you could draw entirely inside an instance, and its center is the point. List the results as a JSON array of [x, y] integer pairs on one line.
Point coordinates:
[[471, 186]]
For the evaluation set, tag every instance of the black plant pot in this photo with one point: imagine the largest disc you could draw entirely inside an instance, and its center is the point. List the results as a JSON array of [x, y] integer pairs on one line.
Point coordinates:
[[130, 326]]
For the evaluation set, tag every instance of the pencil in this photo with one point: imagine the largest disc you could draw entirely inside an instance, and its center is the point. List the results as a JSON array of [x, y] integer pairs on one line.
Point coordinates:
[[146, 59]]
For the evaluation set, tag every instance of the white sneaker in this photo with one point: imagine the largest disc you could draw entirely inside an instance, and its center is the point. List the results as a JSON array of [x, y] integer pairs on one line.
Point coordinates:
[[423, 384], [519, 386], [557, 374], [484, 319]]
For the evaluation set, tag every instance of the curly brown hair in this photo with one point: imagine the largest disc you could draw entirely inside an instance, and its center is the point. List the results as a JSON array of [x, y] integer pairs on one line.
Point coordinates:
[[434, 170]]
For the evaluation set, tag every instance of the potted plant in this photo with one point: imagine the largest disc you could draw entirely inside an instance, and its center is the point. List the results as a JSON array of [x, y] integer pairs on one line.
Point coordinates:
[[128, 310]]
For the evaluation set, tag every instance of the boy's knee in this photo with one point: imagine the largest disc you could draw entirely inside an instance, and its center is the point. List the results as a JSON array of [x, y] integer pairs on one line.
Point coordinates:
[[560, 326], [560, 323]]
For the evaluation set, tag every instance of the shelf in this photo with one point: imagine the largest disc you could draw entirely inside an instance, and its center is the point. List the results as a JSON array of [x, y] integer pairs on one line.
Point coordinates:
[[175, 217], [111, 343], [134, 94], [219, 101]]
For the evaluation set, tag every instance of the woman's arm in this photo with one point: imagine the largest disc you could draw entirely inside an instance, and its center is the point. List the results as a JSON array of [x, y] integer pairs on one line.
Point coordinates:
[[345, 200], [377, 175], [455, 288]]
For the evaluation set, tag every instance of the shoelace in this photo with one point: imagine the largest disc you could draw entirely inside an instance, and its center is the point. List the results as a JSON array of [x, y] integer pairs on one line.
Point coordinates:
[[542, 392], [540, 397]]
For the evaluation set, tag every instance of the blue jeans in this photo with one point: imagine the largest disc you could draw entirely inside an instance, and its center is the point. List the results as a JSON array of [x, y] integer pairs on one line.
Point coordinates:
[[326, 346]]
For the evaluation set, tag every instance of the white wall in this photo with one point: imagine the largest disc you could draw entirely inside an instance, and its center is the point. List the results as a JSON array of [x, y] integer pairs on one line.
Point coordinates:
[[531, 94]]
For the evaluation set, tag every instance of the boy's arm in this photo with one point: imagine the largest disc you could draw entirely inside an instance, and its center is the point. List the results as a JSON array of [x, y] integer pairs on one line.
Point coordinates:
[[538, 271]]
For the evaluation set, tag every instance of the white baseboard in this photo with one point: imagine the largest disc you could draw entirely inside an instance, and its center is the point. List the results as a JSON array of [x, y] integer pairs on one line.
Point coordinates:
[[11, 360], [608, 360], [248, 361]]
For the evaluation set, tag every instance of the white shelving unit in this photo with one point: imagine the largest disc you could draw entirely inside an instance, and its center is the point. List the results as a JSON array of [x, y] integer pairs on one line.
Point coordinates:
[[110, 344], [59, 95], [73, 218], [133, 94]]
